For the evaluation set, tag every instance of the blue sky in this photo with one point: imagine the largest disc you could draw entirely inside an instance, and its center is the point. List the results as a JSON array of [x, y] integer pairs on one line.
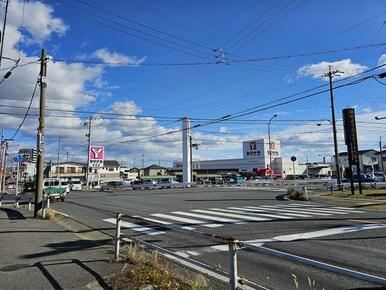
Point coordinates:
[[206, 91]]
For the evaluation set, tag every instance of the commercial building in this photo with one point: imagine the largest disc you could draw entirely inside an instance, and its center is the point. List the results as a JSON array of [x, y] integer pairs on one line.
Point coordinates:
[[69, 170], [368, 160], [258, 157]]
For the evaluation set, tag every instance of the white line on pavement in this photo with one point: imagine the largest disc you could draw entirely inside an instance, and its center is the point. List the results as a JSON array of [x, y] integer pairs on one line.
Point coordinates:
[[135, 227], [185, 220], [203, 216], [285, 211], [242, 217], [163, 222], [242, 211]]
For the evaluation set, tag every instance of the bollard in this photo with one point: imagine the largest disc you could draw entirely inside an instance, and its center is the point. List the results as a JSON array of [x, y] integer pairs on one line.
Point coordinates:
[[304, 189], [117, 236], [17, 205], [233, 279], [48, 203], [29, 206]]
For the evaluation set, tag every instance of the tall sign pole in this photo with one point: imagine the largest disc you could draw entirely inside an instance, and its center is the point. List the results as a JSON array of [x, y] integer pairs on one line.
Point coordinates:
[[38, 209], [351, 140]]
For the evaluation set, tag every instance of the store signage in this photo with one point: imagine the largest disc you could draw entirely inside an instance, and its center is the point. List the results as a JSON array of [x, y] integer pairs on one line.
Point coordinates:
[[96, 156], [350, 135]]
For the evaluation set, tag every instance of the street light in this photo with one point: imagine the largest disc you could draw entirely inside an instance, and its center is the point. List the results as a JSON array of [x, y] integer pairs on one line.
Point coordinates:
[[269, 142], [380, 118]]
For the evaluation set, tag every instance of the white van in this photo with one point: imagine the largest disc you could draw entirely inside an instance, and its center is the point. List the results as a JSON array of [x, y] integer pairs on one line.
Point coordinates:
[[76, 184]]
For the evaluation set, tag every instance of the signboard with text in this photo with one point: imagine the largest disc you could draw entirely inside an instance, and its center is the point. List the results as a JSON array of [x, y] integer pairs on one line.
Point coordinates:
[[96, 156], [350, 135]]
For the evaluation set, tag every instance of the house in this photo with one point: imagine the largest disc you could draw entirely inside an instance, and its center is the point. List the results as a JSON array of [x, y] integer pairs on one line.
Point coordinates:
[[128, 174], [68, 170], [383, 160], [155, 170], [367, 160], [109, 172]]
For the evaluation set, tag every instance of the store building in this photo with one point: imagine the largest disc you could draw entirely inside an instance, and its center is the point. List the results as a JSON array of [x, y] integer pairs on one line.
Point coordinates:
[[258, 157]]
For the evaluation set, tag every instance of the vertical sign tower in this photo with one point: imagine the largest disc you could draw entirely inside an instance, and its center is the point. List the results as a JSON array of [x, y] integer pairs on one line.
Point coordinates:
[[350, 136]]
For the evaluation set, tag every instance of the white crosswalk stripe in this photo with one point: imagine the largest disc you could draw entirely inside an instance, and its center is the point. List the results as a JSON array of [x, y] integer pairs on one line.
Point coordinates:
[[242, 217], [135, 227], [208, 217], [242, 211], [186, 220], [218, 217], [292, 212]]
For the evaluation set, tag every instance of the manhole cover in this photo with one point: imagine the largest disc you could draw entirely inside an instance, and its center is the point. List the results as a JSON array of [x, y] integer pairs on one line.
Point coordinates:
[[14, 267]]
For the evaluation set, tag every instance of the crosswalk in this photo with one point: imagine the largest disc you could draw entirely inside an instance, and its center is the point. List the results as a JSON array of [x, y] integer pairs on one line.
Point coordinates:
[[215, 217]]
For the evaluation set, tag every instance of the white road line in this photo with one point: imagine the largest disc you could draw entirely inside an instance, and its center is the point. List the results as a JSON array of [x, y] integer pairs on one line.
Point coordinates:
[[300, 210], [241, 217], [338, 208], [306, 235], [203, 216], [284, 211], [135, 227], [240, 211], [186, 220], [349, 209], [265, 210], [164, 223], [339, 211]]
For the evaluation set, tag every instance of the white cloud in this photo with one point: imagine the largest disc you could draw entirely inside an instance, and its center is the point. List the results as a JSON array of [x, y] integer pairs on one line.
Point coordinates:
[[117, 58], [223, 129], [382, 59], [318, 70]]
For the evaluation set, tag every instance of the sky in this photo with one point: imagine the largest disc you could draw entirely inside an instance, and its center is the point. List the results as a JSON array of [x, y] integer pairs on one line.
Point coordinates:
[[150, 63]]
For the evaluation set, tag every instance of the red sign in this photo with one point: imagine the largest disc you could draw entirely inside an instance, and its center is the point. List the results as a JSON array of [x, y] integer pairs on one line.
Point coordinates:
[[96, 153]]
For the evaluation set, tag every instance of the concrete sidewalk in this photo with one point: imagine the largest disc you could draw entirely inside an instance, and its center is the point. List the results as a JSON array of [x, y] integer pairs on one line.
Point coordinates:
[[39, 254]]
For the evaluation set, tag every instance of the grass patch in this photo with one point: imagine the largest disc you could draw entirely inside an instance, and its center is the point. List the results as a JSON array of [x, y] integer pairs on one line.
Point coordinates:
[[143, 269], [366, 193]]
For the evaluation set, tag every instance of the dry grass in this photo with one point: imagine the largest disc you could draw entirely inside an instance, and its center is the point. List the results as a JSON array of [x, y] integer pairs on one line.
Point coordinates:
[[142, 269]]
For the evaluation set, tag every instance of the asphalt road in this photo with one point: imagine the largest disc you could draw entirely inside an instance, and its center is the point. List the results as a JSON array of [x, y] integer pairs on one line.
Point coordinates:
[[350, 238]]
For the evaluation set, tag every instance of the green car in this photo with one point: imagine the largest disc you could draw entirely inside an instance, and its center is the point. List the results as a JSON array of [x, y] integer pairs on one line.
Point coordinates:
[[55, 193]]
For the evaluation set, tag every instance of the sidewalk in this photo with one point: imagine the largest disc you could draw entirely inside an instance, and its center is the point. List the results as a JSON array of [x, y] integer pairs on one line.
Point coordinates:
[[373, 204], [39, 254]]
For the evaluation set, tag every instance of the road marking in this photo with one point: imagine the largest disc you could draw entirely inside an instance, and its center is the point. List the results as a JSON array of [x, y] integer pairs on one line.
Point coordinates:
[[242, 211], [265, 210], [306, 235], [293, 212], [242, 217], [164, 223], [186, 220], [203, 216], [315, 212], [135, 227]]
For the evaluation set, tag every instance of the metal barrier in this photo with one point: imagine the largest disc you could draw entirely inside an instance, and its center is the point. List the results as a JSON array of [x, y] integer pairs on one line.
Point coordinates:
[[233, 245]]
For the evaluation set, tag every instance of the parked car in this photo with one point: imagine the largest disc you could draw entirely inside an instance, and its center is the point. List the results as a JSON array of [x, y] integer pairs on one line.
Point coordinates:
[[237, 180], [75, 185]]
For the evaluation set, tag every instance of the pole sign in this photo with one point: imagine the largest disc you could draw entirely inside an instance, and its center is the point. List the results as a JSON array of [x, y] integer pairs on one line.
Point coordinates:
[[96, 156], [351, 140], [18, 158], [350, 135]]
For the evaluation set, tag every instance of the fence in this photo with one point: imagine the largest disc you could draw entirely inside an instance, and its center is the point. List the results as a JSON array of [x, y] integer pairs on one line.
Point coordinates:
[[233, 246]]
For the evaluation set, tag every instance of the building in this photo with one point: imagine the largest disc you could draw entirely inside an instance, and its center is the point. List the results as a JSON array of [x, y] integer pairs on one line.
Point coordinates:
[[109, 172], [70, 170], [368, 159], [258, 157], [155, 170], [380, 167], [128, 174]]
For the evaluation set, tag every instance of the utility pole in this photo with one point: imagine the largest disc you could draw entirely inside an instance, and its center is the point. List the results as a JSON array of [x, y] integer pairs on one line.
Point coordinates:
[[381, 153], [88, 135], [1, 162], [143, 165], [67, 156], [3, 31], [57, 164], [4, 164], [38, 208], [330, 76]]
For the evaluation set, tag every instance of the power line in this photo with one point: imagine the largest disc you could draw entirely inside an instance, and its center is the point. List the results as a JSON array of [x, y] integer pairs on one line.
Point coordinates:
[[26, 113], [164, 42]]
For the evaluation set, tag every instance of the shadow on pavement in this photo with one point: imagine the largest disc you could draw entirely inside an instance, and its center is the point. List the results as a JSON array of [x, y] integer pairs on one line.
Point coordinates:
[[13, 214], [65, 247], [55, 284]]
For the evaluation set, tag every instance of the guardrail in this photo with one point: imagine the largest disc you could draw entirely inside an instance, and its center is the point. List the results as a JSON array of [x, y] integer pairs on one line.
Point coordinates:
[[233, 246]]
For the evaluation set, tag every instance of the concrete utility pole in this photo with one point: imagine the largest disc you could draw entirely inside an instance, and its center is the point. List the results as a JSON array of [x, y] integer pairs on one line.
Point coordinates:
[[186, 159], [1, 162], [269, 143], [3, 31], [67, 156], [195, 145], [57, 164], [143, 166], [88, 135], [381, 153], [4, 164], [330, 76], [38, 208]]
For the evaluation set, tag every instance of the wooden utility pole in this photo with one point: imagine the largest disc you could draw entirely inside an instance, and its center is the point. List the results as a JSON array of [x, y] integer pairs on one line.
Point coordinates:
[[88, 135], [38, 208], [57, 164]]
